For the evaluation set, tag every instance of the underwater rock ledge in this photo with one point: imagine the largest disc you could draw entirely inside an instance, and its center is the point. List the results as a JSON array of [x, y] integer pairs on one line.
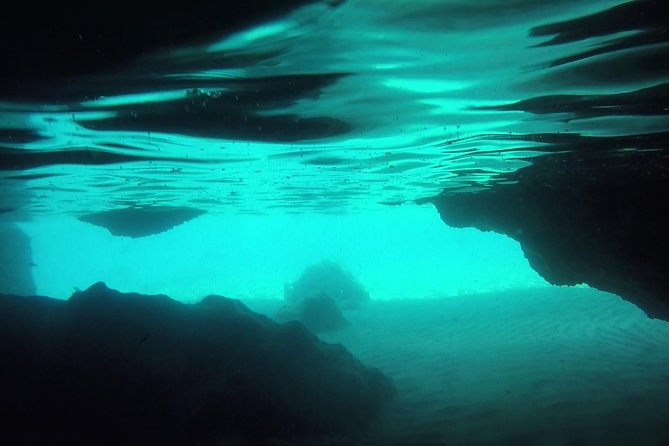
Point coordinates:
[[116, 368], [581, 218]]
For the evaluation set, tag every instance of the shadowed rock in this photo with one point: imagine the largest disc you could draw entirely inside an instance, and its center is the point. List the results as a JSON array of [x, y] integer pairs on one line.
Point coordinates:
[[133, 369]]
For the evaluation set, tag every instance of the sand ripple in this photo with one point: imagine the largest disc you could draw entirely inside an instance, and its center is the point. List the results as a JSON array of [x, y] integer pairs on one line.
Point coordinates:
[[548, 366]]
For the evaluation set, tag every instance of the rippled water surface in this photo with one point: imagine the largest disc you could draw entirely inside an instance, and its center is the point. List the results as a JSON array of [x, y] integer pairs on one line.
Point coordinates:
[[344, 106]]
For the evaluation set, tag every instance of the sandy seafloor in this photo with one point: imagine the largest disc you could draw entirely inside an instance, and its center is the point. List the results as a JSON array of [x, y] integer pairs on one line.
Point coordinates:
[[546, 366]]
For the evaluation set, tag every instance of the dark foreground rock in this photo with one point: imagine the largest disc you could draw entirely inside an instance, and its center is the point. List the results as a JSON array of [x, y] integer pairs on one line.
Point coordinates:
[[598, 216], [112, 368]]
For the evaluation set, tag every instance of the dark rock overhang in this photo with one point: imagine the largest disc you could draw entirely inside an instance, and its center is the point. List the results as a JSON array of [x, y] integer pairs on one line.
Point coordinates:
[[584, 217]]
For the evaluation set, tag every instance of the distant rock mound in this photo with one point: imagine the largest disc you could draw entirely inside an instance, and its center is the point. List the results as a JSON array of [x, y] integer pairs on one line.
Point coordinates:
[[330, 278], [318, 313], [114, 368]]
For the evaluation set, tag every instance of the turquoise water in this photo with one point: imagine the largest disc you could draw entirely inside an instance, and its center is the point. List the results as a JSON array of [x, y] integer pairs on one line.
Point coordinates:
[[313, 126], [322, 134], [404, 252]]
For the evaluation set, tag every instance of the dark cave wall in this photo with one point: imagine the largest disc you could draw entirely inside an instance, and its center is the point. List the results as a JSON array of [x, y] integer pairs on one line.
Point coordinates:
[[15, 261], [583, 219]]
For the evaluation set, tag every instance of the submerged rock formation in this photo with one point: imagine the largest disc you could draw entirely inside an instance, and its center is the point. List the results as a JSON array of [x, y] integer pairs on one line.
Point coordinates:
[[330, 278], [132, 369], [15, 261], [584, 217], [319, 313]]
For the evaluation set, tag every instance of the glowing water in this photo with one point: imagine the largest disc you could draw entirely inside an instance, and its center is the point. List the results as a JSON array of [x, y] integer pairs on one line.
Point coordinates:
[[404, 252]]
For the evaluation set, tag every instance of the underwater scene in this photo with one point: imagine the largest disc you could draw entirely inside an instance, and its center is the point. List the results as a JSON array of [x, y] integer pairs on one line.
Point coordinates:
[[335, 222]]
